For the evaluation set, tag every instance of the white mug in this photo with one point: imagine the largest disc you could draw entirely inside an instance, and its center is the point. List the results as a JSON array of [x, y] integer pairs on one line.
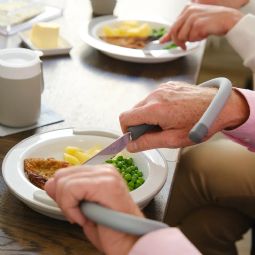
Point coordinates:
[[21, 85], [103, 7]]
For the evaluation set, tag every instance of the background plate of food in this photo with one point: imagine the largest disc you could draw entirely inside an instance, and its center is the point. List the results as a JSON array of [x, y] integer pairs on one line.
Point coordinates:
[[29, 164], [128, 40]]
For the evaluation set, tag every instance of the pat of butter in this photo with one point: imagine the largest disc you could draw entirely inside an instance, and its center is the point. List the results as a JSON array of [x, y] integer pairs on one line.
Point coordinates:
[[45, 35]]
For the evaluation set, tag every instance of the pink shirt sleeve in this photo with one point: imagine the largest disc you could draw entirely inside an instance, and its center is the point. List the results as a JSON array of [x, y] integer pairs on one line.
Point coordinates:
[[168, 241], [245, 134]]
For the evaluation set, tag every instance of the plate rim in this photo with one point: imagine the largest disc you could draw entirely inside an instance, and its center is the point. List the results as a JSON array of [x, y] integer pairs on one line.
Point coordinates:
[[54, 211], [127, 54]]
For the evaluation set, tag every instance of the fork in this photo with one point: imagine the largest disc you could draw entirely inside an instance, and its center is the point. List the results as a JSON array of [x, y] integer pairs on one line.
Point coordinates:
[[155, 45]]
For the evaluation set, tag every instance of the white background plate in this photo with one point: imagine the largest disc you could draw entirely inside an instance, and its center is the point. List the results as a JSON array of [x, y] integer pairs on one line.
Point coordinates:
[[91, 37], [52, 144]]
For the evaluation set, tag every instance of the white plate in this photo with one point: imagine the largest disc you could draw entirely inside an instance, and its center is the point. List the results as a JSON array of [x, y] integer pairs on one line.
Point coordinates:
[[91, 37], [52, 144], [63, 48]]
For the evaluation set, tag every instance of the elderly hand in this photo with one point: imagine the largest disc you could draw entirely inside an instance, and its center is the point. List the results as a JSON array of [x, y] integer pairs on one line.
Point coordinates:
[[228, 3], [198, 21], [101, 184], [176, 107]]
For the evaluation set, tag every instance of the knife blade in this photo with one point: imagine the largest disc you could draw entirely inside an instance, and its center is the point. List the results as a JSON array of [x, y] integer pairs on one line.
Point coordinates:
[[118, 145]]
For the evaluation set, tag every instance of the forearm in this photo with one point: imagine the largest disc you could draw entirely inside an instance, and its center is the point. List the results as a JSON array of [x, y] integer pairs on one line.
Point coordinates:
[[168, 241], [245, 133], [242, 37]]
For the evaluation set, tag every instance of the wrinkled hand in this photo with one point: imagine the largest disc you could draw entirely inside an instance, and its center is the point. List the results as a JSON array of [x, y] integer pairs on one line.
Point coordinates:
[[176, 107], [198, 21], [101, 184], [228, 3]]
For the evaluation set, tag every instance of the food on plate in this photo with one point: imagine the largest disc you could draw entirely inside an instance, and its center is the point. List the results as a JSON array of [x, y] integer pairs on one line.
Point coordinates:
[[128, 29], [128, 42], [39, 170], [129, 171], [45, 35], [133, 34], [77, 156], [129, 34]]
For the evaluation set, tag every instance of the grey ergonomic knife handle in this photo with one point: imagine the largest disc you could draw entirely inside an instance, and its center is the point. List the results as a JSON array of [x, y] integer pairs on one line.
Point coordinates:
[[140, 226], [200, 130], [137, 131]]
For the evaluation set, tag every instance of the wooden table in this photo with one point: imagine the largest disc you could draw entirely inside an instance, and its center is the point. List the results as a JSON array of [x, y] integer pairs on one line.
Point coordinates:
[[88, 89]]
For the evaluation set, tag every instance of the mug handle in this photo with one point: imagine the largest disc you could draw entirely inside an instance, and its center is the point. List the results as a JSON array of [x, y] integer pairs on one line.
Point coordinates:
[[200, 130], [42, 77]]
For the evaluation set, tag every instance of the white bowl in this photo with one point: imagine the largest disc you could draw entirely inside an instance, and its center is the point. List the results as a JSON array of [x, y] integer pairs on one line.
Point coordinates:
[[52, 144]]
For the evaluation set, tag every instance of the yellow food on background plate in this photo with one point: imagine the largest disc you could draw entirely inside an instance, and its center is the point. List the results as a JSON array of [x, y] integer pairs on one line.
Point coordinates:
[[45, 35], [133, 34], [127, 29], [77, 156]]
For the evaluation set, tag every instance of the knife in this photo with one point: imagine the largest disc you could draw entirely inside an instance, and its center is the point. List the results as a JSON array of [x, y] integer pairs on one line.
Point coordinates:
[[118, 145]]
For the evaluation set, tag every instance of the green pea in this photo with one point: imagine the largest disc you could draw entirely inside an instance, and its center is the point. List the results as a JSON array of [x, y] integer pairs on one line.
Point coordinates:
[[138, 182], [131, 184], [140, 174], [123, 168], [120, 158], [140, 179], [132, 168], [129, 161], [119, 164], [128, 177], [128, 169], [130, 188], [137, 185], [134, 178]]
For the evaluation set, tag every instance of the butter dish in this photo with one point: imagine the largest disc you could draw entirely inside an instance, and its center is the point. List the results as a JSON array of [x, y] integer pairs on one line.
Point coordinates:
[[63, 48]]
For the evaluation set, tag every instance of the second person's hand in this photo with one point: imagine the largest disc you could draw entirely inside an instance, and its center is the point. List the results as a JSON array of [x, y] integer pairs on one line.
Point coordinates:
[[228, 3], [198, 21]]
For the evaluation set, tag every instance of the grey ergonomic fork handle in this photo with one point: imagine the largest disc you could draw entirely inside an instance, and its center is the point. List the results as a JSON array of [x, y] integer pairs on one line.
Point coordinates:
[[119, 221], [139, 226]]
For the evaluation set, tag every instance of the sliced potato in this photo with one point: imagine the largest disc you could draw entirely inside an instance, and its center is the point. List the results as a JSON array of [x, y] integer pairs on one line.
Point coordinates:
[[72, 150], [93, 150], [71, 159], [76, 156], [81, 156]]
